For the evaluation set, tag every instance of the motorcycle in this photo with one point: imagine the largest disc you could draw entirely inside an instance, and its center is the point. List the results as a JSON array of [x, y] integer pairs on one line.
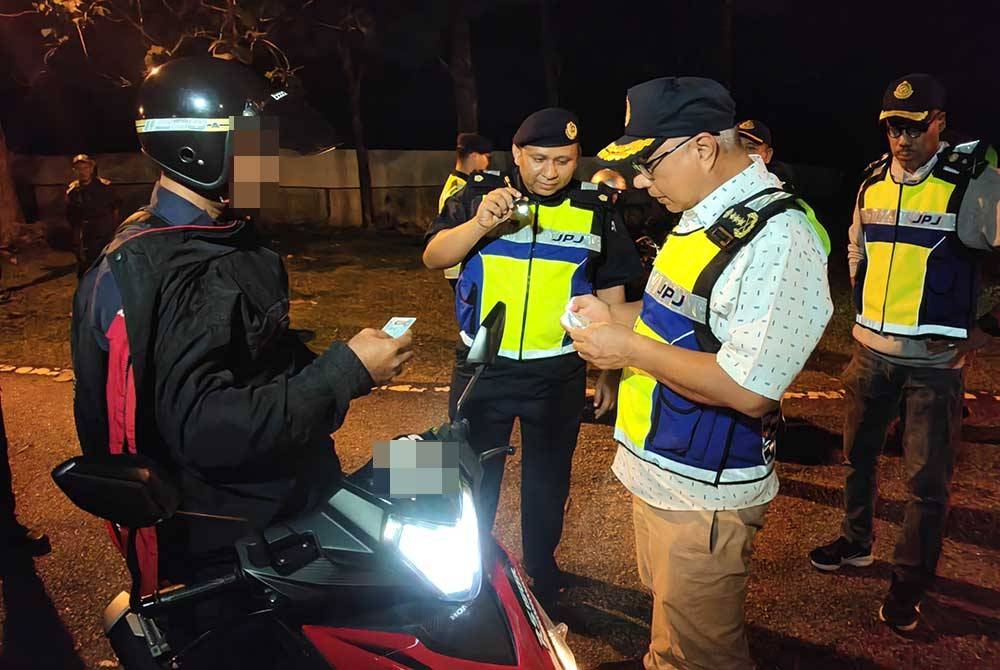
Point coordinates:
[[364, 581]]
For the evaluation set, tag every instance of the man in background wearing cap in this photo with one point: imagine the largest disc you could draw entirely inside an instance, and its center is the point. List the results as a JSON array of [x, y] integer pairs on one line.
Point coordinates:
[[532, 240], [472, 154], [737, 300], [923, 212], [91, 210], [756, 138]]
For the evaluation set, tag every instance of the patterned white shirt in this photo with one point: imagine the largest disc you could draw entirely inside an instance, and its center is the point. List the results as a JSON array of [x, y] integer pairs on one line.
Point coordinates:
[[769, 310]]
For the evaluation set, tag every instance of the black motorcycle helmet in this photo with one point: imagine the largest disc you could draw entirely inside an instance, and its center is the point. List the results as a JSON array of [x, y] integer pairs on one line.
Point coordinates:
[[187, 113]]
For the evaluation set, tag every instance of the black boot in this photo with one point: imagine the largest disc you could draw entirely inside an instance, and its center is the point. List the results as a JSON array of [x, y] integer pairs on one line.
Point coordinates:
[[18, 538]]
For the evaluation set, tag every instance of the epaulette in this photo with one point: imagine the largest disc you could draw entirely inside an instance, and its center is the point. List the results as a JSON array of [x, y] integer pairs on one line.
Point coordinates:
[[962, 160], [881, 162], [106, 182], [592, 196], [487, 180], [73, 184]]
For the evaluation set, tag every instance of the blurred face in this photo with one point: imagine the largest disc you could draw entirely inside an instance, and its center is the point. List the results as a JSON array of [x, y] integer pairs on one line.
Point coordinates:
[[913, 144], [84, 171], [758, 148], [674, 174], [546, 170], [254, 175]]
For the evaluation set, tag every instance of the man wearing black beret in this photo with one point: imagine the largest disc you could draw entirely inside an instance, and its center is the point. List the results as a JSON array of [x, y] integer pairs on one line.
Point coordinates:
[[533, 240], [735, 303]]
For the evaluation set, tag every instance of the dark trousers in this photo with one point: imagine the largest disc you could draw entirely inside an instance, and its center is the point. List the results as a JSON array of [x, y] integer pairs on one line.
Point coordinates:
[[548, 398], [930, 400], [8, 522]]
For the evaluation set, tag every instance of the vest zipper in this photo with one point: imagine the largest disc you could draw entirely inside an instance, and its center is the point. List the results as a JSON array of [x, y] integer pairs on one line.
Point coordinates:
[[527, 283], [892, 254]]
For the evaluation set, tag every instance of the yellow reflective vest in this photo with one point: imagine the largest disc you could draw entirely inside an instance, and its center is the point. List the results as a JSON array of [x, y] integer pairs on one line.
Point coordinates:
[[917, 278], [708, 444], [455, 183], [535, 264]]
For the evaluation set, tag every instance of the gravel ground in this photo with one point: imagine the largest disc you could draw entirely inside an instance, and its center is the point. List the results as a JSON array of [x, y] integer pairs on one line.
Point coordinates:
[[797, 617]]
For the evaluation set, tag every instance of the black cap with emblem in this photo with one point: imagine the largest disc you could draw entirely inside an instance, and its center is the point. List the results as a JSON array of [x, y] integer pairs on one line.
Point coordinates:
[[550, 127], [912, 98], [755, 131], [668, 107]]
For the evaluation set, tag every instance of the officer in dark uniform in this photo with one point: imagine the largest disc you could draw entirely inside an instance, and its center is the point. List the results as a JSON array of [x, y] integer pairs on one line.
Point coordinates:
[[92, 211], [756, 139], [533, 239], [472, 154]]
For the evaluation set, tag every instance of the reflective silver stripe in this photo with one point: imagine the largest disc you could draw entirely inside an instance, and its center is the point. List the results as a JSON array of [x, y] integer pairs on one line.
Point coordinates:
[[522, 235], [729, 475], [910, 218], [195, 125], [676, 298], [559, 238], [922, 329], [527, 354]]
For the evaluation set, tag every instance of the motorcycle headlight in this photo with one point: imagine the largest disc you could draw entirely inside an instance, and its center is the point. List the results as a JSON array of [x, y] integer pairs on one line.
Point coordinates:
[[447, 556]]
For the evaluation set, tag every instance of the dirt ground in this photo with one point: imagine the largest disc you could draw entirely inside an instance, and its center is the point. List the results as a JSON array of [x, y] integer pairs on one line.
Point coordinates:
[[797, 617]]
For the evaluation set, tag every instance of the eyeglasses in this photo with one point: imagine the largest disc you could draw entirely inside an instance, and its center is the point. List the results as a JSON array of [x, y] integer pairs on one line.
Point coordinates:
[[911, 131], [646, 168]]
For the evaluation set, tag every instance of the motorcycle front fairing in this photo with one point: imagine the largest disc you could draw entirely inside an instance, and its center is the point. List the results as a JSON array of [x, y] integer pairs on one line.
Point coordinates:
[[364, 600]]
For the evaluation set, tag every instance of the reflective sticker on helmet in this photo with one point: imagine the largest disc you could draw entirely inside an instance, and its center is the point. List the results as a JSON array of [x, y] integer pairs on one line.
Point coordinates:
[[189, 125]]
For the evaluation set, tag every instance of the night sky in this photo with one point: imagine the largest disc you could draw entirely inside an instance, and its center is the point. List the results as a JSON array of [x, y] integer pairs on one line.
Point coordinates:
[[815, 72]]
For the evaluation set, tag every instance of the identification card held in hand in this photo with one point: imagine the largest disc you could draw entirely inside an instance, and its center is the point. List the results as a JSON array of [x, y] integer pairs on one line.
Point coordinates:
[[398, 325]]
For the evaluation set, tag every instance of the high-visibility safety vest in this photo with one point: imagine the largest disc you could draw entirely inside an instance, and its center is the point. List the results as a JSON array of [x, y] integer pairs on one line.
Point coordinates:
[[535, 265], [713, 445], [455, 183], [917, 278]]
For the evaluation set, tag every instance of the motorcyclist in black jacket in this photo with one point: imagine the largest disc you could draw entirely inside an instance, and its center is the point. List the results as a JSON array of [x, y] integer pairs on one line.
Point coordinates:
[[181, 343]]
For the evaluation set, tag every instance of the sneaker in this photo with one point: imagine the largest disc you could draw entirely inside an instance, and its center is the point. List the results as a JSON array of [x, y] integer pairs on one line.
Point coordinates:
[[901, 609], [840, 552]]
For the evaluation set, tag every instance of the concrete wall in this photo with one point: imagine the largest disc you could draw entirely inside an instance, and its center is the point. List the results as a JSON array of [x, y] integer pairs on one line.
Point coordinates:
[[319, 189]]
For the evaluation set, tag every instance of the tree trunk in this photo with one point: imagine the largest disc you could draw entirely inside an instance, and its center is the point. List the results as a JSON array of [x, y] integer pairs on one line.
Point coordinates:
[[355, 74], [10, 208], [463, 76], [550, 55]]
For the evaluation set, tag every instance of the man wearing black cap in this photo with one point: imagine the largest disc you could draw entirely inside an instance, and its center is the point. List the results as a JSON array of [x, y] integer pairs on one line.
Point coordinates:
[[532, 240], [924, 213], [92, 212], [737, 300], [756, 138], [472, 154]]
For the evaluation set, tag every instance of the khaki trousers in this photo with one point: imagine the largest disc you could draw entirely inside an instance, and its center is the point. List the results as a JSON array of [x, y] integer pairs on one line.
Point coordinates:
[[696, 564]]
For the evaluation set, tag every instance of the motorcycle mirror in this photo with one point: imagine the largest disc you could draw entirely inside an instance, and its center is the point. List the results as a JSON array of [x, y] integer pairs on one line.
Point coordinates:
[[486, 344], [126, 489], [484, 349]]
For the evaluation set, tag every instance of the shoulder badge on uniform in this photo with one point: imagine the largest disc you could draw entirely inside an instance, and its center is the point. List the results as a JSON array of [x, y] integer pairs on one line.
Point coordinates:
[[735, 224], [106, 182]]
